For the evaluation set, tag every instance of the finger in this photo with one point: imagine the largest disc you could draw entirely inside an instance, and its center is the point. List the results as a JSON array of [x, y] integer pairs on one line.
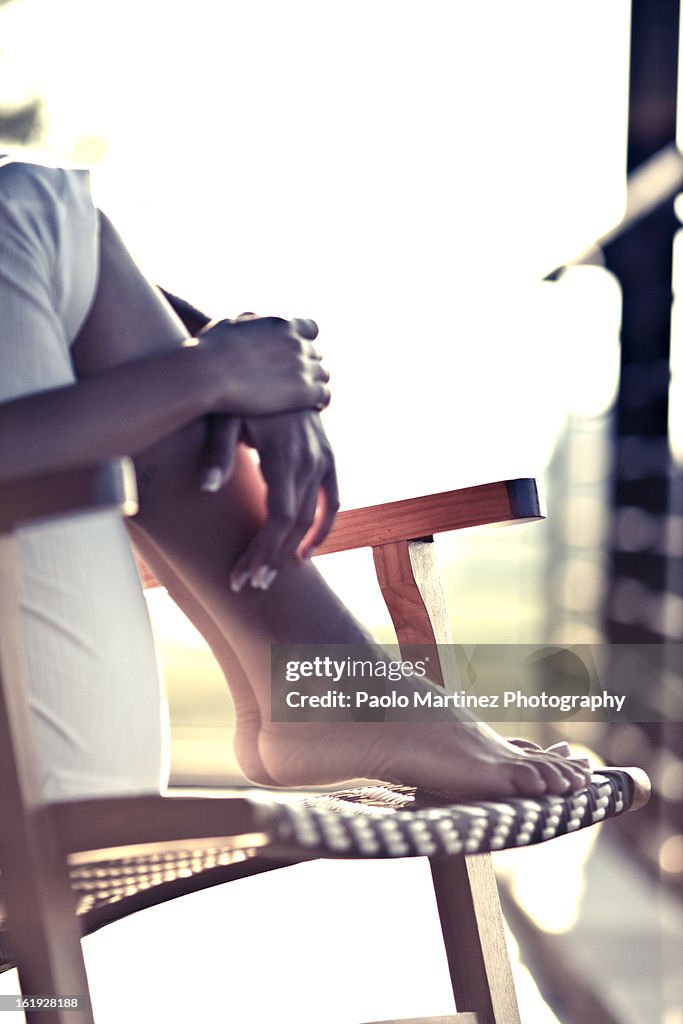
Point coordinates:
[[219, 454], [291, 512], [256, 559], [291, 507], [320, 396], [311, 364], [251, 567], [320, 373], [307, 502], [329, 501], [277, 324], [254, 568], [309, 351], [306, 328]]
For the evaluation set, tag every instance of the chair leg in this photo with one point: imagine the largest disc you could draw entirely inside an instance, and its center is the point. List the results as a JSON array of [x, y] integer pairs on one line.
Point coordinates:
[[466, 892], [43, 932], [474, 938]]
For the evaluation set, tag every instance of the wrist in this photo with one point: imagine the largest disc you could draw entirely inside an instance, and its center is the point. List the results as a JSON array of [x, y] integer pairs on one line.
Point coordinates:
[[205, 365]]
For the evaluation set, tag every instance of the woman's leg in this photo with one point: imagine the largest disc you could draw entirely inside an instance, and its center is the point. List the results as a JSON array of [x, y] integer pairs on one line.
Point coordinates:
[[192, 539], [248, 716]]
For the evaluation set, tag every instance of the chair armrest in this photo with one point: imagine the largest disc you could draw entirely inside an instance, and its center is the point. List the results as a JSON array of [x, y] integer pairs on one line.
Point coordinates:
[[108, 485], [505, 501]]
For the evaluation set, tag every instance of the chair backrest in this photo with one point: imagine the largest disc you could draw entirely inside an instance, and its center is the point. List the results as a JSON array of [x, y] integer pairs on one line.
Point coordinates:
[[44, 934]]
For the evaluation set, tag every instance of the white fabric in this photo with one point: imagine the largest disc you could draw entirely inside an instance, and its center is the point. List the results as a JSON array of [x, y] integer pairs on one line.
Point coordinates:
[[90, 659]]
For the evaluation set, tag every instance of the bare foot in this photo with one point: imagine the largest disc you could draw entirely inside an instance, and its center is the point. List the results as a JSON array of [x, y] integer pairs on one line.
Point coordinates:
[[464, 760]]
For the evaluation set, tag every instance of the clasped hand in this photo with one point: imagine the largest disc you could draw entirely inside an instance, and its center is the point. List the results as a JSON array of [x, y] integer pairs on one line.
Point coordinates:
[[265, 365], [296, 459]]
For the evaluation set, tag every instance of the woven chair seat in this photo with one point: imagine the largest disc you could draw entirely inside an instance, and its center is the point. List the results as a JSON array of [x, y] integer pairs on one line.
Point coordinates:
[[368, 822], [397, 821]]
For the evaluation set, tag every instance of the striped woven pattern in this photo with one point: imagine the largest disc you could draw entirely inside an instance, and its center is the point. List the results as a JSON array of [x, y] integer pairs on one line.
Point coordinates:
[[399, 822], [369, 822], [373, 821]]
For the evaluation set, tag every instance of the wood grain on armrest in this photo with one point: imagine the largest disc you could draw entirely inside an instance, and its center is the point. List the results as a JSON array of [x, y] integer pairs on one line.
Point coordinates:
[[112, 484], [506, 501]]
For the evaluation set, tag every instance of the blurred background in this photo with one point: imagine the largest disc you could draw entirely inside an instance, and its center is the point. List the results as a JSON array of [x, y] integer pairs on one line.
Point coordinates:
[[478, 203]]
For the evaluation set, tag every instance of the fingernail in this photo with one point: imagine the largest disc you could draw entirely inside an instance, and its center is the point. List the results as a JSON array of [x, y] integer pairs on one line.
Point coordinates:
[[212, 479], [258, 577], [269, 577], [238, 581]]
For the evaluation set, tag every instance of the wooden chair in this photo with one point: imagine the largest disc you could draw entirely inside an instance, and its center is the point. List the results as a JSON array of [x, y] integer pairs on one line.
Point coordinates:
[[67, 869]]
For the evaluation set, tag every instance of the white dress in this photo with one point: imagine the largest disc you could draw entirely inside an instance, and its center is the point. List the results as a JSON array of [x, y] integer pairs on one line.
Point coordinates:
[[90, 659]]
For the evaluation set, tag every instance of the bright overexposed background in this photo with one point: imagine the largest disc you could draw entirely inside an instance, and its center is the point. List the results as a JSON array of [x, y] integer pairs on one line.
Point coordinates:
[[405, 177], [406, 174]]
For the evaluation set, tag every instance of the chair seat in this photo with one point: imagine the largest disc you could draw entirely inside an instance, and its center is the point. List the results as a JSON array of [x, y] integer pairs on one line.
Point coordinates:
[[266, 830], [397, 821]]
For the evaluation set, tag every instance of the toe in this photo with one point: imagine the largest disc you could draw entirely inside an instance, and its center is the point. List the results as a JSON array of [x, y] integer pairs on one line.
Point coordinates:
[[525, 744], [581, 764], [561, 776], [527, 779], [561, 748]]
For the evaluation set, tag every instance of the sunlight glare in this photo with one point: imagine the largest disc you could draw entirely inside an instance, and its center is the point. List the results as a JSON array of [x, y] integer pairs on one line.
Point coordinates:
[[406, 180]]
